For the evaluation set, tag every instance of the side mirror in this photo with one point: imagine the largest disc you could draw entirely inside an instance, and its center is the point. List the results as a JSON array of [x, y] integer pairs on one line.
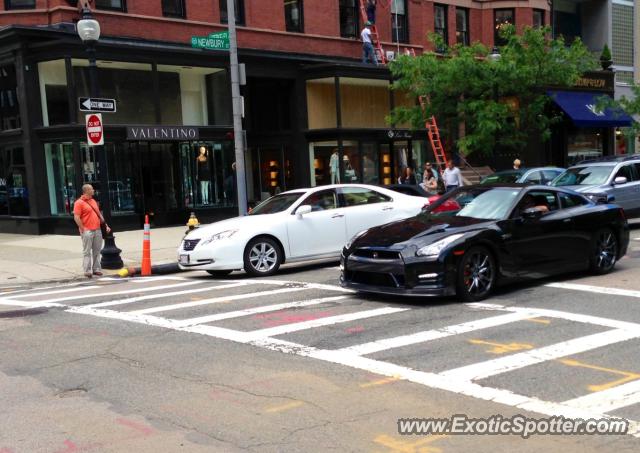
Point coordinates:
[[619, 180], [531, 214], [302, 210]]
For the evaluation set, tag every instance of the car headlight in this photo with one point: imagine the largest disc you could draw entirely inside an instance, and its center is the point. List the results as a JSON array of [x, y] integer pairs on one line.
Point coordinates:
[[353, 239], [218, 236], [435, 248]]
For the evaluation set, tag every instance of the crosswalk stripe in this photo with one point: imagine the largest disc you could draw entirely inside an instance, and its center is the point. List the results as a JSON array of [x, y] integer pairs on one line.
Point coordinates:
[[608, 400], [256, 310], [596, 289], [330, 320], [58, 291], [130, 300], [430, 335], [523, 359], [28, 304], [218, 300]]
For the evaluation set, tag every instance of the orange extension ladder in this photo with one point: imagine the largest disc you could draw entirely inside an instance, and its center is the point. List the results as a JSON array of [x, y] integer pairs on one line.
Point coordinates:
[[375, 38], [434, 137]]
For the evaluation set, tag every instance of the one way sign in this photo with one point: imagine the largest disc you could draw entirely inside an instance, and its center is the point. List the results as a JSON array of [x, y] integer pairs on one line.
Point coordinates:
[[97, 105]]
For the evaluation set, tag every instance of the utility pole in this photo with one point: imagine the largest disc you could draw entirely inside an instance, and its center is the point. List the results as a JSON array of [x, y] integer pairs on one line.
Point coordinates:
[[236, 99]]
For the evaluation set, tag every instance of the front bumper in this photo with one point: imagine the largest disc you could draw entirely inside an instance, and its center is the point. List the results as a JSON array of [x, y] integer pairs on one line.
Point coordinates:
[[404, 275], [216, 257]]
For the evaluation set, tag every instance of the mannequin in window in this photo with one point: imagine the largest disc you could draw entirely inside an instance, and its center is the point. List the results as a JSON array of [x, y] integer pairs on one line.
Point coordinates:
[[334, 167], [204, 174], [349, 172]]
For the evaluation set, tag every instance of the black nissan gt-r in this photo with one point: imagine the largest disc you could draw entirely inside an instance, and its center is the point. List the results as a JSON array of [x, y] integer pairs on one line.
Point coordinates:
[[477, 237]]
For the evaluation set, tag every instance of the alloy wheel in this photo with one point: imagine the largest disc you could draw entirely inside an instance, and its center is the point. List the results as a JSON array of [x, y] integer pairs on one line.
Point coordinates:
[[263, 257], [606, 250], [478, 273]]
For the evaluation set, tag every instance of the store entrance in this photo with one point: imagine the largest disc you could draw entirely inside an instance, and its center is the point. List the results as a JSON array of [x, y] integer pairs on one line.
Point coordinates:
[[160, 174]]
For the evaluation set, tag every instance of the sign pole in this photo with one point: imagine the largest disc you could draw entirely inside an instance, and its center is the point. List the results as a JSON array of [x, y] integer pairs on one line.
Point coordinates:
[[238, 135]]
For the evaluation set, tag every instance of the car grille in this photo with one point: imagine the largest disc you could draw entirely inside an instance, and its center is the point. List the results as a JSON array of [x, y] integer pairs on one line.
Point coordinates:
[[376, 254], [376, 279], [190, 244]]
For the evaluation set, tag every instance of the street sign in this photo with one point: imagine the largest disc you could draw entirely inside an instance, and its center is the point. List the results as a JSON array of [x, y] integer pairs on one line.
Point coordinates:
[[215, 41], [95, 133], [97, 105]]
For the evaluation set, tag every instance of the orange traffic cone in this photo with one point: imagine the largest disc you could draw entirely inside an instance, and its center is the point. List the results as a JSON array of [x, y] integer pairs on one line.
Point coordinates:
[[146, 249]]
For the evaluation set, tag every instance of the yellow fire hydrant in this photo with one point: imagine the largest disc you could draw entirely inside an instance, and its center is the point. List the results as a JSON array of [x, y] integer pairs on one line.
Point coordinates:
[[192, 223]]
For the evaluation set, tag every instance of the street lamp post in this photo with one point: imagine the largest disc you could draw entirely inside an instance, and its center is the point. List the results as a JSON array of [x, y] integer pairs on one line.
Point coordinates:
[[89, 32]]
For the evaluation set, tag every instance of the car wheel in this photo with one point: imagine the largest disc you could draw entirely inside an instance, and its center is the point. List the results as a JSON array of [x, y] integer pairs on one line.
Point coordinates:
[[476, 274], [604, 252], [219, 274], [262, 257]]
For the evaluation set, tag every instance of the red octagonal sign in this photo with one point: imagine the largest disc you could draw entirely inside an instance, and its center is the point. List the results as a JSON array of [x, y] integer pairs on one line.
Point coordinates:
[[95, 135]]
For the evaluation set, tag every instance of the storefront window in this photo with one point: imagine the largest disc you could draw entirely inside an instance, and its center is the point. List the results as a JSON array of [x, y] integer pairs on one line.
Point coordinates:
[[401, 155], [61, 177], [351, 165], [585, 143], [210, 178], [370, 163], [122, 191], [386, 166], [321, 103], [9, 109], [420, 155], [325, 163], [14, 196], [364, 102], [53, 92]]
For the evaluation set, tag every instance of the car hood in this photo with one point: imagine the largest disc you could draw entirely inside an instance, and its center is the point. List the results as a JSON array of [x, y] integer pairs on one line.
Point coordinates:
[[422, 228], [250, 222], [585, 188]]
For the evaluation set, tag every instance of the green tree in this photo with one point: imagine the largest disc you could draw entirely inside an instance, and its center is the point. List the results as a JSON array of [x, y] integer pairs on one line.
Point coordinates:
[[501, 101]]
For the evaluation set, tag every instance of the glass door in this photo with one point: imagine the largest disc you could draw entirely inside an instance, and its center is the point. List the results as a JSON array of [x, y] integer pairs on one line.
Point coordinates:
[[161, 181]]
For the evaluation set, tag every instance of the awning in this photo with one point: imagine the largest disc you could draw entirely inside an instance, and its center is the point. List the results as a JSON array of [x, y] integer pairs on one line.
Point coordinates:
[[581, 108]]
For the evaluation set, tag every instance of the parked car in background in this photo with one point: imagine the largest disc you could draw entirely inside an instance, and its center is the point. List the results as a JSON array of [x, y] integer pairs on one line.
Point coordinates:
[[539, 175], [298, 225], [613, 179], [497, 233]]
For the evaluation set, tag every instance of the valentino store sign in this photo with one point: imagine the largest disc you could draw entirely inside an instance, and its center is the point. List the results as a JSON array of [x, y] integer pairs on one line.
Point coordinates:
[[162, 133]]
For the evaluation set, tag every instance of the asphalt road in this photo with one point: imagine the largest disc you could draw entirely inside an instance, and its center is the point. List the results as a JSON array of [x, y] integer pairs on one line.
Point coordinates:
[[296, 363]]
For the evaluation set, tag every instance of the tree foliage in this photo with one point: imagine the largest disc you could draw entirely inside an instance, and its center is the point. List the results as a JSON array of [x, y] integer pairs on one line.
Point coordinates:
[[501, 102]]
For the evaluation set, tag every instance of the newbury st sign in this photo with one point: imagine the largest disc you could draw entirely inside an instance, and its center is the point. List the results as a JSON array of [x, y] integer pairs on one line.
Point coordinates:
[[162, 133]]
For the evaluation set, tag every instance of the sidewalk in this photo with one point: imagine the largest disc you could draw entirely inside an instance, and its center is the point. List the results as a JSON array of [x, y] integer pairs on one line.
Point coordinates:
[[25, 259]]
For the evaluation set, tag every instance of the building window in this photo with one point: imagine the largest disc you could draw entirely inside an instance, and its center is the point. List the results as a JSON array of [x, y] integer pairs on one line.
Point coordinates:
[[440, 22], [117, 5], [502, 17], [239, 7], [9, 108], [622, 35], [14, 196], [538, 18], [293, 15], [19, 4], [173, 8], [399, 29], [349, 18], [462, 26]]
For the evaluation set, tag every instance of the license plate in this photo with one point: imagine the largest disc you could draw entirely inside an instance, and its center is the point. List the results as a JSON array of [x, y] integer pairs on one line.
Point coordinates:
[[184, 259]]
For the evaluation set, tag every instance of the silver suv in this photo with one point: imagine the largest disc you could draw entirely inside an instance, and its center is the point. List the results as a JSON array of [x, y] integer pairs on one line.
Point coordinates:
[[608, 180]]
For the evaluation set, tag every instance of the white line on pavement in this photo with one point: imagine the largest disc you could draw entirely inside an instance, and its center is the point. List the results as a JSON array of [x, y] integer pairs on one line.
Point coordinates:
[[306, 284], [608, 400], [523, 359], [321, 322], [60, 291], [216, 300], [33, 304], [256, 310], [130, 300], [596, 289], [429, 335]]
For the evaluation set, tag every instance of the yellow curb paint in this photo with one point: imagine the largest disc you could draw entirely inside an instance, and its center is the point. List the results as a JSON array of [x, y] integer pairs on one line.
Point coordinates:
[[501, 348], [380, 382], [402, 446], [539, 320], [627, 375], [285, 407]]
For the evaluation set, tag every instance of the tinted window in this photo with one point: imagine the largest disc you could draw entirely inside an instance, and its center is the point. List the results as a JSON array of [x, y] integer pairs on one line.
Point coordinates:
[[479, 203], [356, 196], [535, 199], [626, 171], [275, 204], [322, 201], [571, 201], [586, 176]]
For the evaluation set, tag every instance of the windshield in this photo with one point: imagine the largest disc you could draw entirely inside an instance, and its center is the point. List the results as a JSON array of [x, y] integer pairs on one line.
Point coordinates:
[[278, 203], [502, 177], [584, 176], [477, 203]]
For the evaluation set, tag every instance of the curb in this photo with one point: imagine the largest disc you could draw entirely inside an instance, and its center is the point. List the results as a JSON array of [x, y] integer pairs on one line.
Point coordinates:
[[157, 269]]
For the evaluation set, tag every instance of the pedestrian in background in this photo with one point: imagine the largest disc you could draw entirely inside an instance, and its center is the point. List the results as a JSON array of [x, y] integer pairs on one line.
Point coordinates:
[[452, 177], [517, 164], [371, 11], [368, 54], [407, 176], [87, 216], [429, 182]]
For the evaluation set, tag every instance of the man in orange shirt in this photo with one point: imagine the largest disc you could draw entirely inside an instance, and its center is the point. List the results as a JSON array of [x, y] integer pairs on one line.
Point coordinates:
[[87, 216]]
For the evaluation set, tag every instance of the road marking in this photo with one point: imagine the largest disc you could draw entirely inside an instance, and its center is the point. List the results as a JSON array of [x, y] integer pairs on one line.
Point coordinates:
[[216, 300], [380, 382], [523, 359], [33, 304], [501, 348], [60, 291], [403, 446], [596, 289], [609, 400], [627, 375], [284, 407], [430, 335], [539, 320], [322, 322], [256, 310], [130, 300]]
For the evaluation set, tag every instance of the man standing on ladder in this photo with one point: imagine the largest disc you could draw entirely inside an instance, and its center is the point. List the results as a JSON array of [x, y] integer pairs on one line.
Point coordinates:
[[367, 46]]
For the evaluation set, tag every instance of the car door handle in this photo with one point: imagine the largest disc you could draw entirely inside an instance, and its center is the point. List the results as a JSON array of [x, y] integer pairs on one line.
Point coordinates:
[[388, 208], [335, 216]]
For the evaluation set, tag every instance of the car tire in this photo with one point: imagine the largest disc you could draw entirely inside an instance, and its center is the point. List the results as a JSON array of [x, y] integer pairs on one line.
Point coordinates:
[[604, 251], [476, 275], [262, 257], [219, 274]]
